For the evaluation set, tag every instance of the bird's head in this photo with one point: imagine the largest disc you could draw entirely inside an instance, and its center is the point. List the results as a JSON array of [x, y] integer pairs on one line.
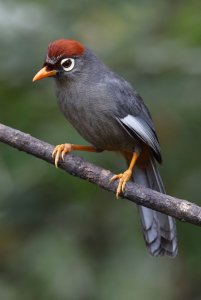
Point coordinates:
[[63, 59]]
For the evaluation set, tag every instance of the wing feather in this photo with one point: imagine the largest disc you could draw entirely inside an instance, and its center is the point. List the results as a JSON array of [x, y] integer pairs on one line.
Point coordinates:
[[142, 129]]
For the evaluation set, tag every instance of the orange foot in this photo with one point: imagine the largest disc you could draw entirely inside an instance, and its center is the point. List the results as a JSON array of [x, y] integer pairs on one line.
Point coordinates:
[[123, 179], [61, 150]]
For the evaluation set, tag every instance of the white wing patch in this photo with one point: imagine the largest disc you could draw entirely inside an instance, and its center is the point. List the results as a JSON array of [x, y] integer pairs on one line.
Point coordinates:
[[142, 130]]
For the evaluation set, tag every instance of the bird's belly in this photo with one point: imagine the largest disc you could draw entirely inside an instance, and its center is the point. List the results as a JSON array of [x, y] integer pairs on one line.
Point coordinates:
[[100, 130], [105, 135]]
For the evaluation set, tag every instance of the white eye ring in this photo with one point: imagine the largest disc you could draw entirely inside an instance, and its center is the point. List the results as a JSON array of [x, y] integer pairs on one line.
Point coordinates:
[[68, 64]]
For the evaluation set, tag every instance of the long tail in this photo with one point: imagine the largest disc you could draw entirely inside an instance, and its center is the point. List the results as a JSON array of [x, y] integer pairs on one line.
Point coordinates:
[[159, 230]]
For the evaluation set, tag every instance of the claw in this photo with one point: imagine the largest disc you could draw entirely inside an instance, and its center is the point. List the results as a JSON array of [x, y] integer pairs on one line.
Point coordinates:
[[63, 155], [60, 150], [123, 179], [55, 150], [115, 177]]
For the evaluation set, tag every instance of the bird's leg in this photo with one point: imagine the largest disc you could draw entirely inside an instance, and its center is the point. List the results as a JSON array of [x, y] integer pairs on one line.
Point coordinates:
[[63, 149], [125, 176]]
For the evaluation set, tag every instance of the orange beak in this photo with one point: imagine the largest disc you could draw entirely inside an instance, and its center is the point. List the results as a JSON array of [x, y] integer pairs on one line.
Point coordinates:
[[44, 73]]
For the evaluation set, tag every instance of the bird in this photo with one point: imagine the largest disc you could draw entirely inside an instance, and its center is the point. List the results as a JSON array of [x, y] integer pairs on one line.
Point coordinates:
[[111, 116]]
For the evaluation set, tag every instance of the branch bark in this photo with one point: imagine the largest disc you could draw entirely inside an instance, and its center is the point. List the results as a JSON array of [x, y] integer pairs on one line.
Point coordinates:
[[180, 209]]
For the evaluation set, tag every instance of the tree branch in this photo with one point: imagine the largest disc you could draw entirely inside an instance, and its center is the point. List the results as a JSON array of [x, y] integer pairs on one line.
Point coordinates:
[[178, 208]]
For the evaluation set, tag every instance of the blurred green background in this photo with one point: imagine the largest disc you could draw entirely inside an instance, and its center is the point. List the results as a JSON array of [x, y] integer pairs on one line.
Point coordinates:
[[62, 238]]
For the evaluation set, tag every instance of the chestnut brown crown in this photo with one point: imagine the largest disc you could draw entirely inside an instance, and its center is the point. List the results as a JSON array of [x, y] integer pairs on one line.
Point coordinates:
[[60, 52], [63, 47]]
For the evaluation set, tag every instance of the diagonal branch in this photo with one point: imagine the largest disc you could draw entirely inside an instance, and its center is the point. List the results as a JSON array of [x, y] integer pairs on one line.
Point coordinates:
[[178, 208]]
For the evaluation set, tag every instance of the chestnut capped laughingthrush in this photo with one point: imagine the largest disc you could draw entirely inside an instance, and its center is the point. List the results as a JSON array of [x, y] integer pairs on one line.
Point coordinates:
[[110, 115]]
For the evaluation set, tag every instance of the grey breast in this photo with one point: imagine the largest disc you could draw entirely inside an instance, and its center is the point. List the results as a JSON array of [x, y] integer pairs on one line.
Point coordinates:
[[91, 110]]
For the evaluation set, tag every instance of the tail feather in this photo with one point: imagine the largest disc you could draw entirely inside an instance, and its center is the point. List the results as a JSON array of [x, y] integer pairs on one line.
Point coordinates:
[[150, 229], [159, 229]]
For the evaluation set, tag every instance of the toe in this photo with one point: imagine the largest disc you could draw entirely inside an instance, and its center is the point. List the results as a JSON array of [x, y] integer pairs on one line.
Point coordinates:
[[123, 186], [57, 157], [63, 153], [119, 189], [115, 177], [55, 150], [127, 176], [124, 178], [61, 150], [56, 154]]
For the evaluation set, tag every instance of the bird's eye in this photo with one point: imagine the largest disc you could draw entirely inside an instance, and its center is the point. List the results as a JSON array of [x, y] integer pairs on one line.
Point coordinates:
[[68, 64]]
